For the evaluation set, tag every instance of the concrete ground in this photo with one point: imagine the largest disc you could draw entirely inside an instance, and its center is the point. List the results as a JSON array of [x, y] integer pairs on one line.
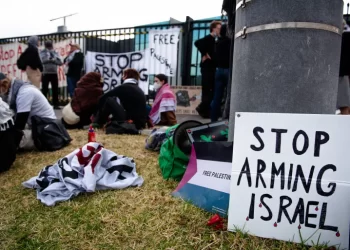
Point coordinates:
[[180, 118]]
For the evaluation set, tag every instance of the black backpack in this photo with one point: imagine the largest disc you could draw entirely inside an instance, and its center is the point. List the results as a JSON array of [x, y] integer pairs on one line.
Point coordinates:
[[49, 134], [121, 128]]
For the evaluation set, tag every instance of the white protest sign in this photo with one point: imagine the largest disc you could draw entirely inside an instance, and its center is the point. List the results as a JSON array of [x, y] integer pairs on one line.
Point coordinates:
[[162, 53], [9, 54], [290, 177], [111, 67]]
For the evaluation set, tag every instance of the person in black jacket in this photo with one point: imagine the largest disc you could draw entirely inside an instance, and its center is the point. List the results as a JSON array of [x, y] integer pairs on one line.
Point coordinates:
[[222, 57], [74, 65], [125, 102], [206, 47], [30, 61]]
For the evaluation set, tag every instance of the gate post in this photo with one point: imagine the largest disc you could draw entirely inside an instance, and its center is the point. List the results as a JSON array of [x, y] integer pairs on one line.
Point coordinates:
[[286, 57], [187, 52]]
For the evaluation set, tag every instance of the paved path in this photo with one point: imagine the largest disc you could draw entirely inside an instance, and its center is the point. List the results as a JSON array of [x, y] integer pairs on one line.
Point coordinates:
[[180, 118]]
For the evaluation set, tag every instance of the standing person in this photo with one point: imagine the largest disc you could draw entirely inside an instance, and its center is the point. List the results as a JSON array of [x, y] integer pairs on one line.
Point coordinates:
[[51, 61], [206, 47], [74, 65], [125, 102], [30, 61], [222, 57], [164, 105]]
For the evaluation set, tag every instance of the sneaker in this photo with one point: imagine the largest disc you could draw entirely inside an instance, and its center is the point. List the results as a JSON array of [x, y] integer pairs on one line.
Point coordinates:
[[204, 115]]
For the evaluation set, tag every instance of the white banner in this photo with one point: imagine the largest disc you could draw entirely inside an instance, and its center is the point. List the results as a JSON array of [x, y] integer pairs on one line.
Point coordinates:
[[9, 54], [162, 53], [290, 178], [111, 67]]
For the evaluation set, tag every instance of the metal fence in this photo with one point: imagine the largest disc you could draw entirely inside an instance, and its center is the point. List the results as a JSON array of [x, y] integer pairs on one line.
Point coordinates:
[[131, 39]]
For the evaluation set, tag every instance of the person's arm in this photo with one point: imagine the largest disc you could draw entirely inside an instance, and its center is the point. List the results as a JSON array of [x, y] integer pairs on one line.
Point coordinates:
[[55, 58], [21, 120], [78, 59], [201, 45], [20, 124]]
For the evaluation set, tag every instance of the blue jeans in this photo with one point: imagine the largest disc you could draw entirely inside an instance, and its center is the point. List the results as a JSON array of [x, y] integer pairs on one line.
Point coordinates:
[[221, 81], [71, 85]]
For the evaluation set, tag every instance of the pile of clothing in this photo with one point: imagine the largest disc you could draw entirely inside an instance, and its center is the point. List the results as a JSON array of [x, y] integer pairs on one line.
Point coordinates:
[[87, 169]]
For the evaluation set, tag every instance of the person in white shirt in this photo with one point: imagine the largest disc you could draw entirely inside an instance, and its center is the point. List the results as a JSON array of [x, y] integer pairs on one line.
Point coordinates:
[[29, 102]]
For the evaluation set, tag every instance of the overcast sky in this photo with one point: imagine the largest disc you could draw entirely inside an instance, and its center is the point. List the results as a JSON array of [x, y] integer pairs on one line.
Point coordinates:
[[24, 17]]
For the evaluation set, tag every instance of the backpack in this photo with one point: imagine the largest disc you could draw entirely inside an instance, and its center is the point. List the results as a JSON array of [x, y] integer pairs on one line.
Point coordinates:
[[49, 134], [175, 151], [121, 128]]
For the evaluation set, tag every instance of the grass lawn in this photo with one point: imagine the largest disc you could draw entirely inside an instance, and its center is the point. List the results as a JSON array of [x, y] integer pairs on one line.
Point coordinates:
[[143, 218]]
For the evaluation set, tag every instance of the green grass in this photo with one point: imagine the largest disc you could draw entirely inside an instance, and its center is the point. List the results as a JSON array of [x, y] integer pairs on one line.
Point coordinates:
[[137, 218]]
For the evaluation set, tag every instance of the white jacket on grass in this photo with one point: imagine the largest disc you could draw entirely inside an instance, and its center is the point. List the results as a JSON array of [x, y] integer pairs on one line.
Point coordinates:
[[87, 169]]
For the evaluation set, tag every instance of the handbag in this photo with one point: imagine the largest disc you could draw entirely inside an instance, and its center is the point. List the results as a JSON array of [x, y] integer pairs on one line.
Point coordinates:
[[49, 134]]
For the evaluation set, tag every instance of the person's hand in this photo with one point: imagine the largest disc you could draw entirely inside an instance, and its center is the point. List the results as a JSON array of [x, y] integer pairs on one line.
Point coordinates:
[[206, 57]]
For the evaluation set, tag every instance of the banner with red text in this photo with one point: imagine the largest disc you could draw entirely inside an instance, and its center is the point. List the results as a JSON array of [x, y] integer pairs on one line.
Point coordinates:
[[9, 54]]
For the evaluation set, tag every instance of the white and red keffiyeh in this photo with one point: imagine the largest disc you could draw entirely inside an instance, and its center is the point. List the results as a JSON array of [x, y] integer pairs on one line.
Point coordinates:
[[87, 169]]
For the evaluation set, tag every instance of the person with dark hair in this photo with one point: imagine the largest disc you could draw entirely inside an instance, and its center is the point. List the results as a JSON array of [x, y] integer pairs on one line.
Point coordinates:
[[164, 105], [51, 61], [206, 47], [74, 63], [126, 102], [222, 57], [30, 62], [88, 92]]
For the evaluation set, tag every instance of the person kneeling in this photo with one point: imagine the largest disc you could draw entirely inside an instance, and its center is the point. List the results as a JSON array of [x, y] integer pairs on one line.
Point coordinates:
[[164, 106], [84, 103], [125, 102], [26, 101]]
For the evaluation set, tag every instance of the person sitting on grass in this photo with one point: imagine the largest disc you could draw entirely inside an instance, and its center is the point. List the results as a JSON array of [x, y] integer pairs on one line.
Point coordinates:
[[164, 106], [126, 102], [27, 101], [8, 133], [84, 103]]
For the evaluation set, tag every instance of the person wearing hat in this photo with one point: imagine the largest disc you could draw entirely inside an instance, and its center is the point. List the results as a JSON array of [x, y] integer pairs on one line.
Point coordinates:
[[26, 101], [30, 62], [51, 61], [74, 63]]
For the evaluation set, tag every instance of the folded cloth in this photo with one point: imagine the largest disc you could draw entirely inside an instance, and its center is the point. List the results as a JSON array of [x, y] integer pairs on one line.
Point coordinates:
[[87, 169]]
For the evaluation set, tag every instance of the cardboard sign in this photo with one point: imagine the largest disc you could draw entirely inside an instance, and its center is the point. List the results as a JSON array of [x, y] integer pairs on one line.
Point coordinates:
[[162, 53], [206, 182], [188, 98], [216, 131], [111, 67], [290, 178]]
